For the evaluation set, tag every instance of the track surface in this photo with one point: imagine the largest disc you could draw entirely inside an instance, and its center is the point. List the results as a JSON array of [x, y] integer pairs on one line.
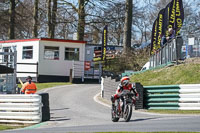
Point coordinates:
[[73, 109]]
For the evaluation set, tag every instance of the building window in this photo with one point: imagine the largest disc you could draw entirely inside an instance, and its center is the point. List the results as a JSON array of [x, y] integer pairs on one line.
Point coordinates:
[[72, 54], [51, 53], [27, 52]]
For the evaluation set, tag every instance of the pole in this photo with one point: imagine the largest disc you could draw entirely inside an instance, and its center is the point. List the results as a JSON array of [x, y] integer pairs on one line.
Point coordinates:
[[175, 37], [70, 76]]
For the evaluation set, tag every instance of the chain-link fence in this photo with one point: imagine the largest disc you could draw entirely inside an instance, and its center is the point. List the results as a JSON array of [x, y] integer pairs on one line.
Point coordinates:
[[8, 72]]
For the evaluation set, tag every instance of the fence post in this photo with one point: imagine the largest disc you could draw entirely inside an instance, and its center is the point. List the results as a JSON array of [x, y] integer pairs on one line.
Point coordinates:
[[100, 71], [83, 74], [37, 74], [15, 71], [70, 75], [102, 88]]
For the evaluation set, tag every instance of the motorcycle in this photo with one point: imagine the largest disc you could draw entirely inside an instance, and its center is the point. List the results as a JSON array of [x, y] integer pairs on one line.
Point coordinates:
[[122, 107]]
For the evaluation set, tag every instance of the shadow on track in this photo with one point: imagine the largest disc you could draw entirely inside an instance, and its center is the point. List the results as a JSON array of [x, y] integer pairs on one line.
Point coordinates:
[[59, 119], [59, 109], [145, 119]]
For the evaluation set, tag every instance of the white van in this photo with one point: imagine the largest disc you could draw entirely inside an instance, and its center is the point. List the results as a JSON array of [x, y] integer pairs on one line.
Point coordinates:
[[146, 66]]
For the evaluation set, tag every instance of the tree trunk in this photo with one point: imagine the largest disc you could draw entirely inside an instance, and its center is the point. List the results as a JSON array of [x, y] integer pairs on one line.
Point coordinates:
[[35, 16], [54, 12], [49, 18], [11, 30], [128, 26], [81, 20]]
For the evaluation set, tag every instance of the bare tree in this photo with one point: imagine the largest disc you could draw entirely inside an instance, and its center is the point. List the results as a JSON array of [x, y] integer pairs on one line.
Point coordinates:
[[54, 12], [81, 20], [35, 16], [12, 20], [49, 18], [128, 26], [81, 17]]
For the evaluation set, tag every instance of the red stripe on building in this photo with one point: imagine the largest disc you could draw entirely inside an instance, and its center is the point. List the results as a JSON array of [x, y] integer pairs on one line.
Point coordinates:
[[42, 39]]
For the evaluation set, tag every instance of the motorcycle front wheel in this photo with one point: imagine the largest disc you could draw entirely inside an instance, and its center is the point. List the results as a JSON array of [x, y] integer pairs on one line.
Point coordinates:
[[114, 116], [128, 112]]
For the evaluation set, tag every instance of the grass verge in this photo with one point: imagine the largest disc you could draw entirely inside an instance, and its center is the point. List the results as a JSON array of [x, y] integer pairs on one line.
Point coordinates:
[[180, 74], [146, 132], [8, 127], [175, 111], [41, 86]]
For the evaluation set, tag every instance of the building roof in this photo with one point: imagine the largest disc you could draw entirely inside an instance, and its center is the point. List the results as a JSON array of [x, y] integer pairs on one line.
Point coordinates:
[[42, 39], [100, 45]]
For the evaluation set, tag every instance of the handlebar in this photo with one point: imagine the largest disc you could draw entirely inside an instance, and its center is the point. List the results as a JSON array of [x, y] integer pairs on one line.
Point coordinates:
[[128, 93]]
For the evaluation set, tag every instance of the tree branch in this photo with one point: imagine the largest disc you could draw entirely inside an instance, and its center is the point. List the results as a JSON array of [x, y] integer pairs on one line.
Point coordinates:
[[69, 4]]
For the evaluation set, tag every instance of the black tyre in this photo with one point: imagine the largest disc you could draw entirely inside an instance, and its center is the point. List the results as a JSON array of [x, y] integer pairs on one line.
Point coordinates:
[[45, 113], [128, 112], [45, 99]]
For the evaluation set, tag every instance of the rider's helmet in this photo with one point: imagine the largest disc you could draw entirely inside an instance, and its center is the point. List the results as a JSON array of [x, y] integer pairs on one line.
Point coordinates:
[[125, 81]]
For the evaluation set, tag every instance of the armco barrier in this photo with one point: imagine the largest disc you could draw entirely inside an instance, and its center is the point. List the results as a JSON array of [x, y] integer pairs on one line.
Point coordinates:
[[180, 97], [18, 108]]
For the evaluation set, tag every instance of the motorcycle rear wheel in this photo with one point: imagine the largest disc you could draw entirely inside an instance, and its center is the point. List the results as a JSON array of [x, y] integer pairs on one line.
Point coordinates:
[[128, 112]]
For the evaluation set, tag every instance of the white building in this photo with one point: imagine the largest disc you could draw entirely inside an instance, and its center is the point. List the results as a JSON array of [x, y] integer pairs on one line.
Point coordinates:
[[46, 59]]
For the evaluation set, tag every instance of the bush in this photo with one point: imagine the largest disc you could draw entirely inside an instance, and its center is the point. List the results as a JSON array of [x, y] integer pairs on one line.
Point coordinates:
[[132, 60]]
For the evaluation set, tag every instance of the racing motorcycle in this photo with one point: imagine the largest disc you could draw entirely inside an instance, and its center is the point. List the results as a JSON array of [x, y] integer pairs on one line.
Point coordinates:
[[122, 107]]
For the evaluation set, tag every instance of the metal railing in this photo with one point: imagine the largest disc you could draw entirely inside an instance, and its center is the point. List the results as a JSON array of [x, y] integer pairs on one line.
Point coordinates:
[[175, 50], [169, 52]]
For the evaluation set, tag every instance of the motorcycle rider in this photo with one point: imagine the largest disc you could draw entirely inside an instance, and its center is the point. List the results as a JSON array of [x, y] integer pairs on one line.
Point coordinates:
[[124, 85]]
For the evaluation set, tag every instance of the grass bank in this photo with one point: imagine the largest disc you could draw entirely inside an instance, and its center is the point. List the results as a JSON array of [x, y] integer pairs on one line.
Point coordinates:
[[175, 111], [9, 127], [178, 74], [146, 132]]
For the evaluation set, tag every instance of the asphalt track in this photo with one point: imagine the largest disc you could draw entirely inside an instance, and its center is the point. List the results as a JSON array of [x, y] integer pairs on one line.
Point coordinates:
[[73, 109]]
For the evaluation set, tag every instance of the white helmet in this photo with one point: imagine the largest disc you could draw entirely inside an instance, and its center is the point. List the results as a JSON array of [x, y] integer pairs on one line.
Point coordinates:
[[125, 81]]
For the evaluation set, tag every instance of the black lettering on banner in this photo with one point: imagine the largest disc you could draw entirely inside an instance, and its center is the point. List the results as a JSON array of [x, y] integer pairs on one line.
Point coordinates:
[[154, 37], [176, 14], [104, 42], [160, 28]]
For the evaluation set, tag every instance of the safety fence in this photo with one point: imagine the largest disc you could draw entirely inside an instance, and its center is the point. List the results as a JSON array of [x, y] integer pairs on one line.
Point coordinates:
[[169, 52], [24, 109], [177, 97]]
